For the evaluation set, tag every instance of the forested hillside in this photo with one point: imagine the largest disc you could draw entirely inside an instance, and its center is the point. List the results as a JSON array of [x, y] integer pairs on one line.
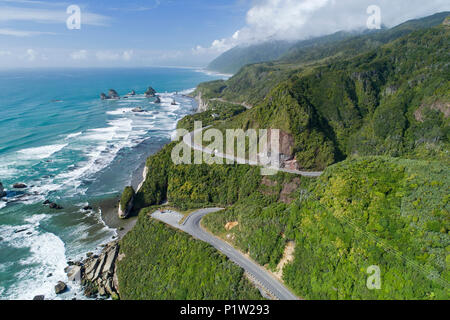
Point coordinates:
[[232, 60], [376, 121], [393, 100]]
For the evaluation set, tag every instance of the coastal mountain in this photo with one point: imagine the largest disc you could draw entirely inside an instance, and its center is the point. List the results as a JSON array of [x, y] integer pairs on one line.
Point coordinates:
[[392, 100], [339, 44], [232, 60], [375, 120]]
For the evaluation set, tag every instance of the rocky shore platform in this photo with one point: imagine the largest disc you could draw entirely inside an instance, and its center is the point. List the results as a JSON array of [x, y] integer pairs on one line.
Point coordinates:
[[98, 273]]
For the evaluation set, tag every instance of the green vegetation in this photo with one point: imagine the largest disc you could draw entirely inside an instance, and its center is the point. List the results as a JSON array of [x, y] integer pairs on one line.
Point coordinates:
[[377, 105], [393, 100], [127, 195], [218, 111], [161, 263], [380, 211], [231, 61]]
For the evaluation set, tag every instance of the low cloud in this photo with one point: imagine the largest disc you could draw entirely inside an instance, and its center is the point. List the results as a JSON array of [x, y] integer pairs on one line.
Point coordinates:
[[114, 56], [302, 19], [31, 55], [79, 55], [22, 33]]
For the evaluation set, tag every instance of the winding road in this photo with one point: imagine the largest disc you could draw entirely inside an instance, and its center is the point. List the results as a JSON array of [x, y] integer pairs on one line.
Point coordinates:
[[189, 140], [191, 225]]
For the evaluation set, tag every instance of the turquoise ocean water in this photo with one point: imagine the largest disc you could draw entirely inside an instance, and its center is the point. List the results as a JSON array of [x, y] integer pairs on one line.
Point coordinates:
[[67, 145]]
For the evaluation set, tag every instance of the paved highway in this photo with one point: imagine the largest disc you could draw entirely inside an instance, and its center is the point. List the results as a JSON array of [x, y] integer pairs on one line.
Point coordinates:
[[191, 225], [189, 140]]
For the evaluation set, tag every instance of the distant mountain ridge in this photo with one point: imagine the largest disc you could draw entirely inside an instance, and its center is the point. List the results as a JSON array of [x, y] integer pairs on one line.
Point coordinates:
[[232, 60], [313, 49]]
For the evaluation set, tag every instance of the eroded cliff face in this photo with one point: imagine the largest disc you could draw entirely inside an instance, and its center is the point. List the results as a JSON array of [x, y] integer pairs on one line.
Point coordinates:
[[202, 104]]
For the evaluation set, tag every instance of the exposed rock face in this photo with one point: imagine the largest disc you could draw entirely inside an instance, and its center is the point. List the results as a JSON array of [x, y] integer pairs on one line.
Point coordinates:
[[61, 287], [98, 273], [126, 203], [123, 214], [39, 298], [446, 21], [150, 93], [441, 106], [2, 191], [19, 186], [103, 96], [286, 194], [202, 104]]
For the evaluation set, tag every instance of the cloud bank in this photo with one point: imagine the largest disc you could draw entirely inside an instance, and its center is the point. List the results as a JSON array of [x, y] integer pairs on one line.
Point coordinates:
[[302, 19]]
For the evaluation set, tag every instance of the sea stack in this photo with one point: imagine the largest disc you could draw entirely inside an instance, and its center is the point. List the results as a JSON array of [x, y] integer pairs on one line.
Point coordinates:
[[113, 94], [150, 93], [126, 202]]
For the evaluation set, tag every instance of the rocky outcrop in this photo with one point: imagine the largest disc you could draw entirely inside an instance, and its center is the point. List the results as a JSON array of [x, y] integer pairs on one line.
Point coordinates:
[[97, 274], [132, 93], [52, 205], [446, 21], [2, 191], [144, 177], [138, 110], [158, 100], [19, 186], [112, 95], [126, 202], [150, 93], [60, 288], [202, 104]]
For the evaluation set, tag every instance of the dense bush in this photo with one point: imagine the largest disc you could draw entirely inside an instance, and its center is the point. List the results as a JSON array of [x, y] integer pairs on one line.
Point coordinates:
[[160, 263], [127, 196]]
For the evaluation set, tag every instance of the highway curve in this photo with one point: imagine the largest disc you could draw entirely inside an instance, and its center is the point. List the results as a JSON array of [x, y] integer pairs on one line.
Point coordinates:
[[191, 225]]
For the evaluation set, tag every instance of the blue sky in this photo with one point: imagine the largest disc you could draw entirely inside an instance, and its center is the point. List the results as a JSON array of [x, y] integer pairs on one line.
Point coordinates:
[[33, 33]]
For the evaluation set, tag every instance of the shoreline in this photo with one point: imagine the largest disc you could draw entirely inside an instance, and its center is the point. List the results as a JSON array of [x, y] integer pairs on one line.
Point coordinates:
[[109, 207]]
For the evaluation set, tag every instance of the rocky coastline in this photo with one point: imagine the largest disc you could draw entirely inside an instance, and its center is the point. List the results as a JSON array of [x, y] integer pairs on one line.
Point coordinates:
[[97, 273]]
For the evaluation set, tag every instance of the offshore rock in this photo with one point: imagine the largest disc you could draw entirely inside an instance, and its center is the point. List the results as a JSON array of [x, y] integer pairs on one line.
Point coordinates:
[[150, 93], [2, 191]]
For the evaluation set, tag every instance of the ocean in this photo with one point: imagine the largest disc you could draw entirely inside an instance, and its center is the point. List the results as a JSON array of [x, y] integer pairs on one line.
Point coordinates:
[[69, 147]]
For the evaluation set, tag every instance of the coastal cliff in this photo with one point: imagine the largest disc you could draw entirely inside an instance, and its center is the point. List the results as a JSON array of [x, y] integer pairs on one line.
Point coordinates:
[[202, 103]]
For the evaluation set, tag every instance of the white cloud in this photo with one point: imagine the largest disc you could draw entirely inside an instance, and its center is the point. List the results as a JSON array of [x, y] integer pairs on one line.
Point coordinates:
[[114, 56], [127, 55], [31, 55], [48, 16], [301, 19], [79, 55], [22, 33]]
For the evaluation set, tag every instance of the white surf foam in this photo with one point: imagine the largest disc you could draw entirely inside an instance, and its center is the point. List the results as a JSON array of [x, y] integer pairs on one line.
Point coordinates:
[[40, 153], [47, 257], [73, 135]]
